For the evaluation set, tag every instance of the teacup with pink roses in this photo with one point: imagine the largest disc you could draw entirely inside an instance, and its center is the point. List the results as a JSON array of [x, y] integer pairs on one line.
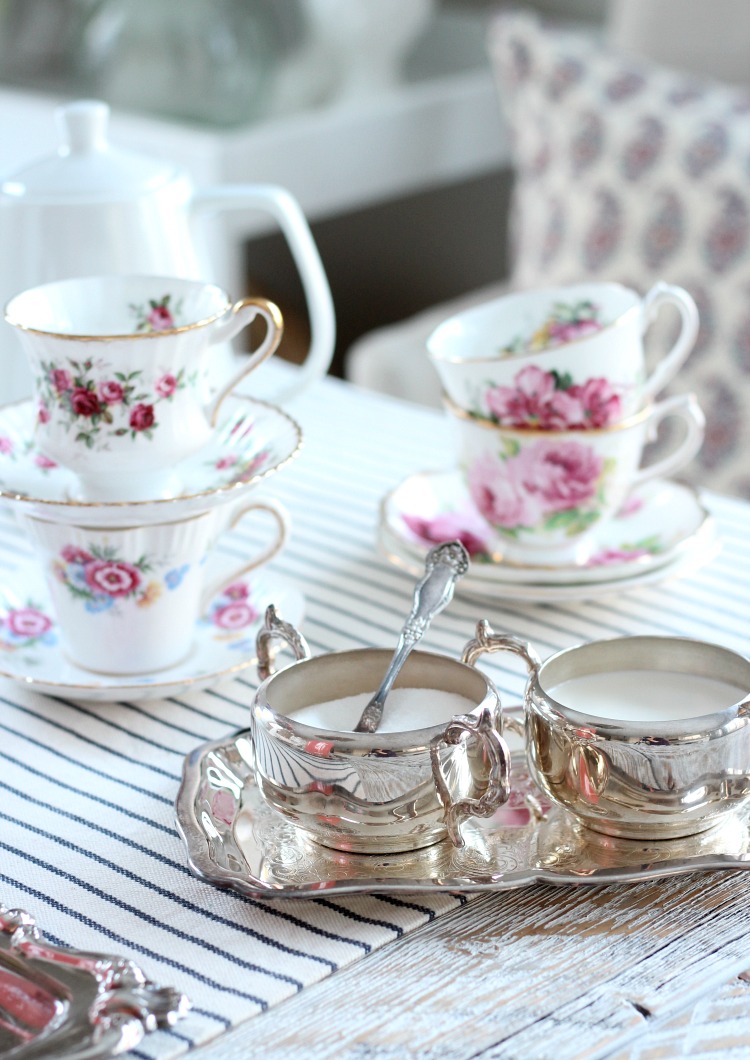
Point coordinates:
[[559, 358], [121, 374], [544, 489], [127, 600]]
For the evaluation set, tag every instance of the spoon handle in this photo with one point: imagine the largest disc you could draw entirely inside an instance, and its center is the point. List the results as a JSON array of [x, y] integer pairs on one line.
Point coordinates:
[[444, 565]]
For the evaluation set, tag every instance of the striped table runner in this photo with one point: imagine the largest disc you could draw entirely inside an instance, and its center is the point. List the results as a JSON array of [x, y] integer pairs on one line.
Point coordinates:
[[87, 840]]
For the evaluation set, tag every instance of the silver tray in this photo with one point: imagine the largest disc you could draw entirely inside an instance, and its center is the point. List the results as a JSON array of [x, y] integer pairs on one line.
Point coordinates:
[[234, 840], [70, 1004]]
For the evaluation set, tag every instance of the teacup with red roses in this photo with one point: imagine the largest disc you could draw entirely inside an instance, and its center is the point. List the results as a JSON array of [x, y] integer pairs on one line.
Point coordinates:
[[559, 358], [121, 374], [127, 600]]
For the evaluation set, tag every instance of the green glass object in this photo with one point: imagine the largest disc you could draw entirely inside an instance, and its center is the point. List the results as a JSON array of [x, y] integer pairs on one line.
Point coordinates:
[[202, 61]]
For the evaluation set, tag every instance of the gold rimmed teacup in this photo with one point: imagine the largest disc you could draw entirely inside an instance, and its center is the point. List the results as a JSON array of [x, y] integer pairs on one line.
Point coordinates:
[[121, 374]]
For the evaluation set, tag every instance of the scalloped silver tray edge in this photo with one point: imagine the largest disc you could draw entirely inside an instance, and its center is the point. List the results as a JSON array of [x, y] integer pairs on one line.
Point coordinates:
[[73, 1004]]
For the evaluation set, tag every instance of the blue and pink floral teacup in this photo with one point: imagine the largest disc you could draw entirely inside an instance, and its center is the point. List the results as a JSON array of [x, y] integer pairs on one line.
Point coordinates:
[[127, 600], [544, 490], [121, 368], [559, 358]]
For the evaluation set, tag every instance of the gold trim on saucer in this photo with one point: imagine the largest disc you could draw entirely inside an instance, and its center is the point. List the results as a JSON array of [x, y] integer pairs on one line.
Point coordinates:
[[520, 593], [103, 686], [9, 495], [705, 534]]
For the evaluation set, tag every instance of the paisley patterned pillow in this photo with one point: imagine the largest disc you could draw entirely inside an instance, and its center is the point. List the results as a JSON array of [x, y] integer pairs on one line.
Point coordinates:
[[628, 171]]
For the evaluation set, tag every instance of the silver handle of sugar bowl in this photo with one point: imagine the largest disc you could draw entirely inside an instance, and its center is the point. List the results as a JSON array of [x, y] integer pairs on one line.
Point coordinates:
[[495, 753], [487, 642], [275, 628]]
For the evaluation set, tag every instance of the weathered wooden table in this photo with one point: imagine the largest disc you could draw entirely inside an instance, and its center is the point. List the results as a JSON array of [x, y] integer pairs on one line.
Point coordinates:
[[642, 971]]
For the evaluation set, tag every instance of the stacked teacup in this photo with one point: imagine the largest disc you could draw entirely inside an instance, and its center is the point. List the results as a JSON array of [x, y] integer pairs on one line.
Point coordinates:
[[146, 464], [553, 406]]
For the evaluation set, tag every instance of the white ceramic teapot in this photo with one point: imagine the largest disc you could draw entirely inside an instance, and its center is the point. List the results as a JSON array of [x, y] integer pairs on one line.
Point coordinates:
[[92, 208]]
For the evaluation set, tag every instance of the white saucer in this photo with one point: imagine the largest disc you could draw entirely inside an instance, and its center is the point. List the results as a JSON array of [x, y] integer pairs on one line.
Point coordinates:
[[253, 440], [31, 653], [662, 530]]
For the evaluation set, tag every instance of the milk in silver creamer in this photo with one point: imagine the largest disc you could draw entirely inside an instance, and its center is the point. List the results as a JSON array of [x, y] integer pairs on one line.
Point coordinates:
[[645, 695]]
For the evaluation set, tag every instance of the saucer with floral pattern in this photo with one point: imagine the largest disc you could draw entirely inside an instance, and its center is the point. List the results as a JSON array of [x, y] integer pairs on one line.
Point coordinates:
[[660, 523], [253, 440], [31, 651]]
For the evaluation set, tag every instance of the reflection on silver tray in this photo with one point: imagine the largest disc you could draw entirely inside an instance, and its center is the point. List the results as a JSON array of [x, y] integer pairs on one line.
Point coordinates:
[[70, 1004], [234, 840]]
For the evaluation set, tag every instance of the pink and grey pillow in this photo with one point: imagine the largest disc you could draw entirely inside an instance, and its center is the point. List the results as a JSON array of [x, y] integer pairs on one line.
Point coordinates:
[[628, 171]]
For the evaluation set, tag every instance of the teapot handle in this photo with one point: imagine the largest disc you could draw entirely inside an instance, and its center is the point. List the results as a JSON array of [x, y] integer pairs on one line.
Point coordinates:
[[286, 211]]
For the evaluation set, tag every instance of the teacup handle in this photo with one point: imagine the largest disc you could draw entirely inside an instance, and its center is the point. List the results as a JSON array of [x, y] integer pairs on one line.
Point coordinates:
[[281, 519], [667, 294], [274, 628], [685, 407], [486, 729], [238, 317]]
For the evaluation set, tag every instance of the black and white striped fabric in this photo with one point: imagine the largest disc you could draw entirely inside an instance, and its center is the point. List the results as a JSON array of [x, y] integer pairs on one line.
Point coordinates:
[[87, 839]]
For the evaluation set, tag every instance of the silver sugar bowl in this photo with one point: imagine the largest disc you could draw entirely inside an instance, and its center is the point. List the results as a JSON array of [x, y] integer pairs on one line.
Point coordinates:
[[383, 791]]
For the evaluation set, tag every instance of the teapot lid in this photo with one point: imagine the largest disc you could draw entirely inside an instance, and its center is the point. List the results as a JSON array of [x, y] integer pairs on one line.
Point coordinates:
[[85, 165]]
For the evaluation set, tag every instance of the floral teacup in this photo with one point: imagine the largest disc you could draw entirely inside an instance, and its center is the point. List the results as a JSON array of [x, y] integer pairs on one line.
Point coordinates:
[[559, 357], [543, 490], [127, 600], [120, 367]]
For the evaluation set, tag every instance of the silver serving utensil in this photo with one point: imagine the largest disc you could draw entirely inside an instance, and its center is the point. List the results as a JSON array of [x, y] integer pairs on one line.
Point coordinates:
[[444, 565]]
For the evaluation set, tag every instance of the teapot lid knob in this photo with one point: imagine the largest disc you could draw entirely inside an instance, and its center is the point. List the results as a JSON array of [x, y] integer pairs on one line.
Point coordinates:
[[83, 125], [86, 167]]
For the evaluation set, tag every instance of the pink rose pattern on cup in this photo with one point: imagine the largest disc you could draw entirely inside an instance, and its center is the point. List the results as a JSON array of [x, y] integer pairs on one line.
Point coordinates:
[[30, 628], [469, 527], [97, 401], [565, 323], [102, 580], [548, 485], [26, 627], [551, 401], [231, 614], [157, 314]]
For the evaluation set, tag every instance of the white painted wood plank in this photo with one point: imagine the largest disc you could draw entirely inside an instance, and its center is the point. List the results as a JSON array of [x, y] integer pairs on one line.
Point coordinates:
[[717, 1027], [545, 972]]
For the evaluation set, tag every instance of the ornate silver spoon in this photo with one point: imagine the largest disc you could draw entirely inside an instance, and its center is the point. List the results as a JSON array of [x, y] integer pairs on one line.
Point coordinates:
[[444, 565]]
